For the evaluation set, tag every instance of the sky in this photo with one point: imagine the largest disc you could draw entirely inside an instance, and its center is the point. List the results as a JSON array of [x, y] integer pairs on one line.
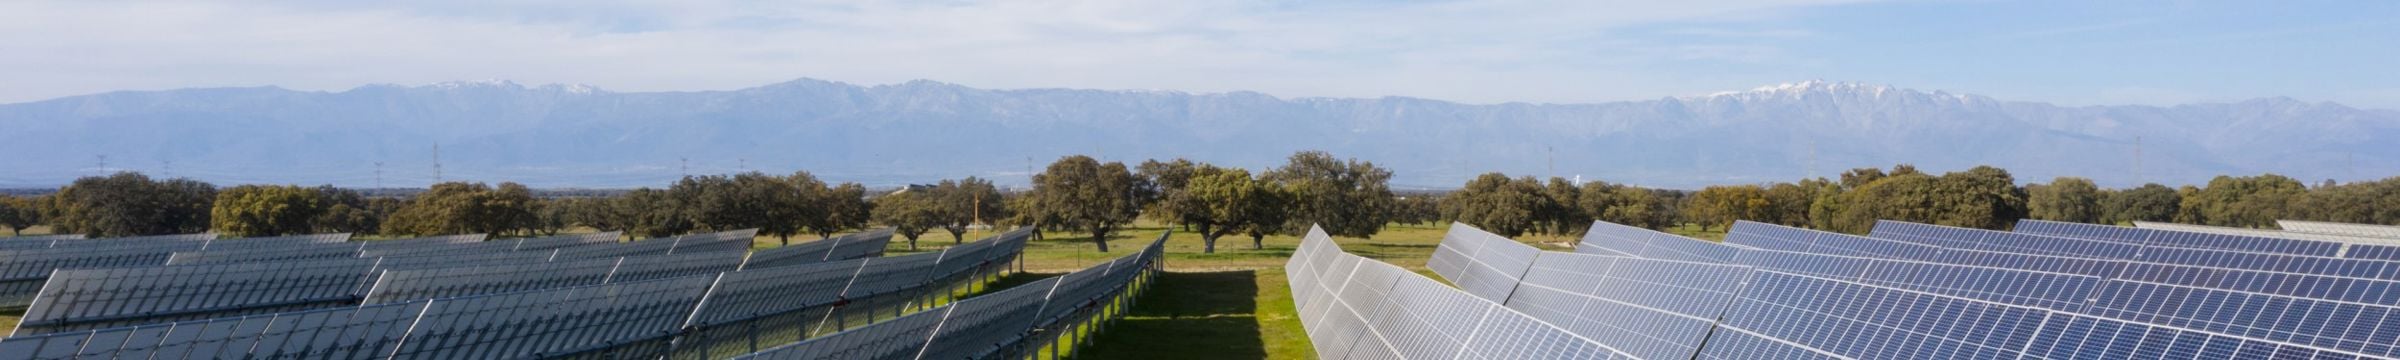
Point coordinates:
[[2066, 52]]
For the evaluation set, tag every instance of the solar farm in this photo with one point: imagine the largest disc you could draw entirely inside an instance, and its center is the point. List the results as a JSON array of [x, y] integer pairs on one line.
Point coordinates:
[[700, 296], [2048, 290]]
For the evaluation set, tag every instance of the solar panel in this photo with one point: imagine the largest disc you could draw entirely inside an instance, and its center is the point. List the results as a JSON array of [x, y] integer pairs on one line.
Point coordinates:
[[2070, 336], [796, 254], [737, 240], [99, 298], [1485, 264], [996, 325], [1996, 241], [429, 241], [2265, 233], [638, 268], [413, 262], [1352, 307], [405, 285], [755, 293], [889, 274], [552, 323], [560, 241], [1778, 237], [22, 273], [37, 240], [2334, 228], [977, 328], [2177, 239], [1652, 309], [302, 252], [487, 247], [899, 338], [660, 246], [1844, 319], [342, 333], [1607, 238], [2347, 326], [861, 245], [193, 240], [274, 241]]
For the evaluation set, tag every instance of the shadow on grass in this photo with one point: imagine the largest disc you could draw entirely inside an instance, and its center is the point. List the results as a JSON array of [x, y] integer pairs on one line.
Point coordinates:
[[1189, 315]]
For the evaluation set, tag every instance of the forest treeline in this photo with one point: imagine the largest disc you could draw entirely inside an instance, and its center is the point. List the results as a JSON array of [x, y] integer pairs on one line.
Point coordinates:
[[1079, 194], [1982, 197]]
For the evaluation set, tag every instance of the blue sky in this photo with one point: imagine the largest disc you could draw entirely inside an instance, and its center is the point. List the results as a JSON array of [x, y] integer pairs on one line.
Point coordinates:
[[2069, 52]]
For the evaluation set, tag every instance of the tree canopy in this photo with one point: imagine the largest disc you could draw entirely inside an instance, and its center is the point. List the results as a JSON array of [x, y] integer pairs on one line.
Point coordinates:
[[1347, 198], [1078, 192]]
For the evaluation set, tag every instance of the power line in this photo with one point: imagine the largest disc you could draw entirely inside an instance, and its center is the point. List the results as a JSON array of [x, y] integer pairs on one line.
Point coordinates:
[[437, 163]]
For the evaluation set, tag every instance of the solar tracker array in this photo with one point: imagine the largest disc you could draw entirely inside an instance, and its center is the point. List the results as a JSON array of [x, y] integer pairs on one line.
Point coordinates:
[[1480, 262], [2000, 241], [1354, 307], [101, 298], [46, 237], [344, 333], [23, 270], [406, 285], [1991, 304], [621, 318], [2192, 240], [2329, 228], [2265, 233], [553, 322], [1605, 238], [852, 246], [1012, 323]]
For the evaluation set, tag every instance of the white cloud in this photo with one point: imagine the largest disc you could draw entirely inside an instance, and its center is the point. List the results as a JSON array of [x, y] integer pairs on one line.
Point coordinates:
[[1469, 51]]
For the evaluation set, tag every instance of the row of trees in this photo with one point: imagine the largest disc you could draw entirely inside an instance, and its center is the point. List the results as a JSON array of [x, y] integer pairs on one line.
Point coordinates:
[[1981, 197], [1076, 193], [1345, 197], [1079, 193], [1512, 207]]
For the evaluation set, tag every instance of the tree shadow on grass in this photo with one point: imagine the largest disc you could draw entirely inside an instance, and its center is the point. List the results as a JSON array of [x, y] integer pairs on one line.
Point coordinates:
[[1188, 315]]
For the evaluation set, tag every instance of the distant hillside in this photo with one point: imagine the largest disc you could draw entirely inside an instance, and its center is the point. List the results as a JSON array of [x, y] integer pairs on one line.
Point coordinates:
[[576, 136]]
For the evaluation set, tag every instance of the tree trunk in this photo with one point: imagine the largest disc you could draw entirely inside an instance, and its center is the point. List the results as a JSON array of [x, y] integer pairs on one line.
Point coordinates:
[[1100, 237], [912, 242], [1208, 239], [1258, 240], [957, 234], [786, 238]]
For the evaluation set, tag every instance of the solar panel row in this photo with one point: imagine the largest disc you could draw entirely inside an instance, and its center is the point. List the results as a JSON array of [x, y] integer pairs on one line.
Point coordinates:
[[1353, 307], [1480, 262], [344, 333], [614, 320], [2265, 233], [2312, 314], [852, 246], [1988, 240], [1012, 323], [2192, 240], [2331, 228], [102, 298], [1670, 311]]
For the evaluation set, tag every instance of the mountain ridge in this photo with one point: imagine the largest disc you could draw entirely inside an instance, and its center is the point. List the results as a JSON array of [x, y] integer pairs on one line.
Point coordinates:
[[562, 135]]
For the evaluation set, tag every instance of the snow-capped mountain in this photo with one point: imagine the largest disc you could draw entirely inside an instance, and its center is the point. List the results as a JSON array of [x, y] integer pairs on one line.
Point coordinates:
[[573, 135]]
